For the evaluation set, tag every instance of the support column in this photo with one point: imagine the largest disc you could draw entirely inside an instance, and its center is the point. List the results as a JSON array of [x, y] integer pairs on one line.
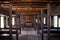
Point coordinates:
[[34, 21], [0, 22], [48, 20], [4, 21], [17, 24], [10, 20], [37, 23], [42, 24]]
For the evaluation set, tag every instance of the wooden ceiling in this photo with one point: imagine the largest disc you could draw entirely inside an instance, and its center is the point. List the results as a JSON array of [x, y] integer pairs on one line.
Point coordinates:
[[29, 0], [28, 6]]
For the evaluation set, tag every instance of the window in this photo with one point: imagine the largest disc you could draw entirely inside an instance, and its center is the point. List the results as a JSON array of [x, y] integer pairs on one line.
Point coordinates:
[[13, 21], [36, 20], [44, 20], [55, 19], [7, 21], [2, 22]]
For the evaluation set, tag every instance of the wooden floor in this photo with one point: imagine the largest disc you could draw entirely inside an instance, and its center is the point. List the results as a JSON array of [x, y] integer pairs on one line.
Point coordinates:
[[31, 34], [28, 37]]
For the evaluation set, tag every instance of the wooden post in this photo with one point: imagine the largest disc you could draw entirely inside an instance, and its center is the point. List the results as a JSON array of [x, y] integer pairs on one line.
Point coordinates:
[[42, 24], [4, 21], [0, 22], [48, 20], [17, 24], [35, 22], [10, 21]]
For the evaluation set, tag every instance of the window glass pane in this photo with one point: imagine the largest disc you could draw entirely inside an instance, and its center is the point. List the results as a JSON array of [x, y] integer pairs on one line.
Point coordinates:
[[36, 20], [44, 20], [13, 21], [2, 22], [55, 21]]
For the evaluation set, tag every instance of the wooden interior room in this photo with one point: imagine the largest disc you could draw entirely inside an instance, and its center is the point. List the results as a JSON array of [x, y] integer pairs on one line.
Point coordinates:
[[29, 19]]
